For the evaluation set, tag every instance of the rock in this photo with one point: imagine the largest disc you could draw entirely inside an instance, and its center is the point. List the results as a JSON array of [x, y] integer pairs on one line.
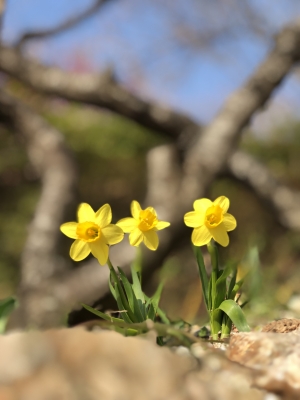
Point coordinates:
[[284, 325], [74, 364], [275, 358]]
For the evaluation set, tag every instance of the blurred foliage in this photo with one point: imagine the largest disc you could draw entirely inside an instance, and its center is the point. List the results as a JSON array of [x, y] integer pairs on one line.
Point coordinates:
[[110, 152]]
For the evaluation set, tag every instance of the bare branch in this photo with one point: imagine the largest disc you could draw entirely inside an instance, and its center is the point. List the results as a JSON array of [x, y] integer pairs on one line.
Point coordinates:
[[54, 164], [284, 201], [68, 24], [96, 89], [214, 146]]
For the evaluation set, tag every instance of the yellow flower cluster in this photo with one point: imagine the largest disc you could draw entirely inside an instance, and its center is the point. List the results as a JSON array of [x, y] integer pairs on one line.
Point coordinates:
[[94, 232]]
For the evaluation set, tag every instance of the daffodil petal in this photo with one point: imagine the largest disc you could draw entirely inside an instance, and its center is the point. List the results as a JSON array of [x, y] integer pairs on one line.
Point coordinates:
[[201, 236], [194, 219], [202, 204], [223, 202], [113, 234], [162, 225], [151, 239], [135, 209], [229, 222], [135, 237], [99, 250], [85, 213], [79, 250], [220, 235], [69, 229], [152, 210], [103, 216], [127, 224]]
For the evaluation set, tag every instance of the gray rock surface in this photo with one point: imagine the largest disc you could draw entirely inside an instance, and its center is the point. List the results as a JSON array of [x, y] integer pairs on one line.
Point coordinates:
[[275, 358], [74, 364]]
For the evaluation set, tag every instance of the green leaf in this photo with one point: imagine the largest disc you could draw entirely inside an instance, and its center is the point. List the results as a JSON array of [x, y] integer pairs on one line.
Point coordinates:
[[136, 285], [112, 289], [6, 307], [126, 316], [100, 314], [236, 288], [232, 280], [120, 295], [151, 311], [132, 300], [235, 313], [216, 323], [163, 316], [221, 286], [203, 276], [156, 297], [127, 287]]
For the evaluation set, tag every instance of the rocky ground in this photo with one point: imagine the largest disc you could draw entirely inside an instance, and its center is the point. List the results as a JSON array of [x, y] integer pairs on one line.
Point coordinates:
[[78, 364]]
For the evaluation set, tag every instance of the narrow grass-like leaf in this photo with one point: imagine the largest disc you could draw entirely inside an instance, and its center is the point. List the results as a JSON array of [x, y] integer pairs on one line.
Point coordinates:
[[6, 307], [100, 314], [236, 288], [151, 311], [136, 285], [203, 276], [112, 289], [216, 323], [163, 316], [121, 297], [221, 286], [128, 316], [133, 302], [235, 313], [156, 297], [127, 287], [232, 281]]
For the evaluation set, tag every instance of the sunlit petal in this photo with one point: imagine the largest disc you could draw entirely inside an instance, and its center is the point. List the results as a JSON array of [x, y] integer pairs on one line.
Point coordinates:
[[135, 237], [151, 240], [112, 233], [162, 225], [223, 202], [220, 235], [79, 250], [69, 229], [202, 204], [85, 213], [201, 236], [99, 250], [135, 209], [229, 222], [103, 216], [152, 210], [194, 219], [127, 224]]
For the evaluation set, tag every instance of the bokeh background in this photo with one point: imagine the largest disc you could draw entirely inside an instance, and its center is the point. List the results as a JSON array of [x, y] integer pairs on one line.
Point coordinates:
[[188, 55]]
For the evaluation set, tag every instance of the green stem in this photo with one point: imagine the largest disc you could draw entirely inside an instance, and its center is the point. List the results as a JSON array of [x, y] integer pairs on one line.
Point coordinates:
[[212, 249]]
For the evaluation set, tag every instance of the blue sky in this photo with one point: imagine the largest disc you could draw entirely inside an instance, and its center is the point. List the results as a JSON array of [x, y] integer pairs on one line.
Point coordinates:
[[136, 38]]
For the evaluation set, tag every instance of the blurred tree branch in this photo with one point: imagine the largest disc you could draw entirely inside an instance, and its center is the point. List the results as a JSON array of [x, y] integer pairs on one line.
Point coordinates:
[[65, 25], [207, 157]]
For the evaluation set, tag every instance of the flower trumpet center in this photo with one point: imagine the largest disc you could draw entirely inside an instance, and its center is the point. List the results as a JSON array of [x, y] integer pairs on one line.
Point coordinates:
[[147, 220], [88, 231], [213, 216]]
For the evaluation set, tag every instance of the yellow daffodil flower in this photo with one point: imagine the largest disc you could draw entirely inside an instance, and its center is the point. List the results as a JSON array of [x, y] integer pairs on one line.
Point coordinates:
[[93, 233], [210, 220], [143, 226]]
